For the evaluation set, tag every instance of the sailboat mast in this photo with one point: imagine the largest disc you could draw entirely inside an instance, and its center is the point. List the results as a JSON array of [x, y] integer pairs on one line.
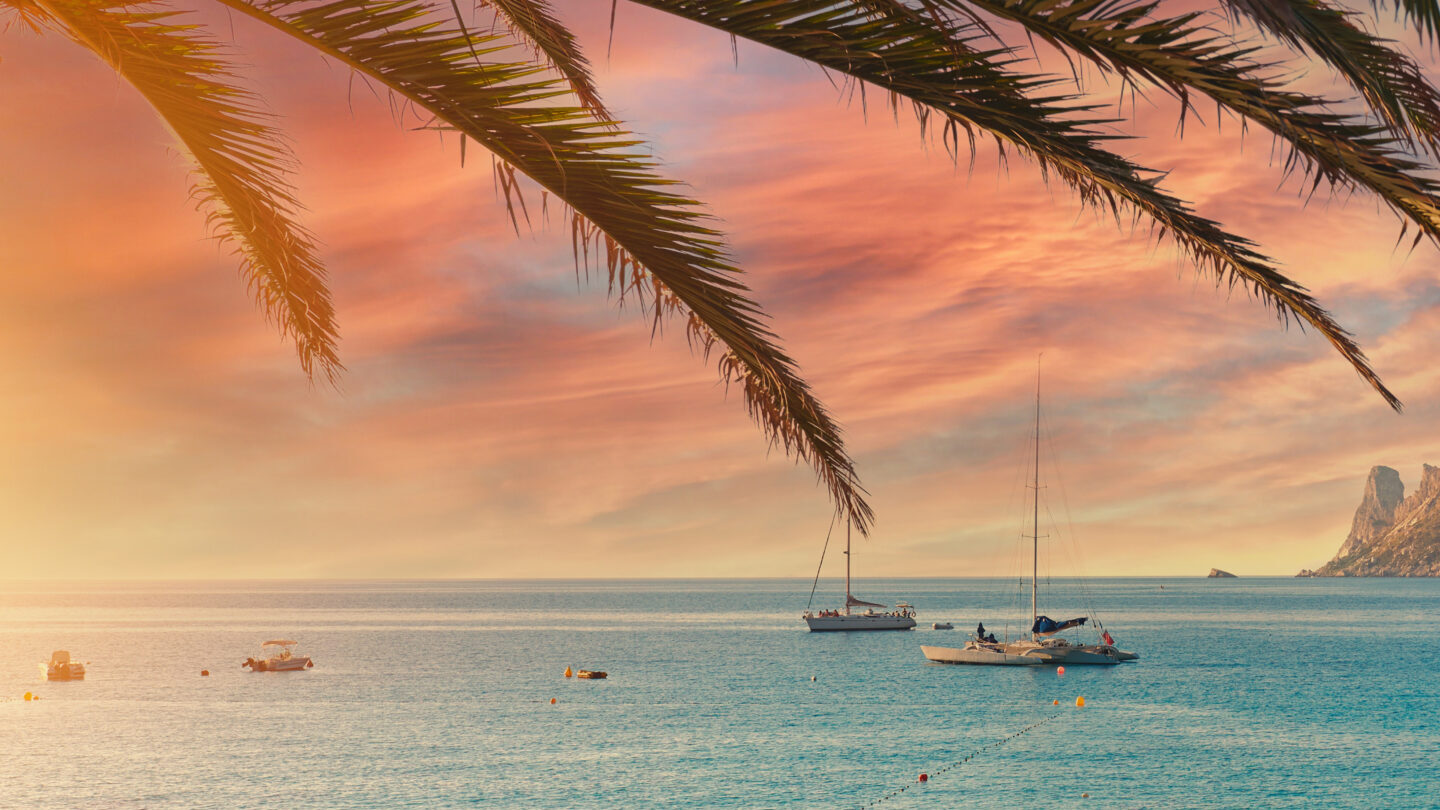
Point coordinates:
[[1035, 524], [847, 567]]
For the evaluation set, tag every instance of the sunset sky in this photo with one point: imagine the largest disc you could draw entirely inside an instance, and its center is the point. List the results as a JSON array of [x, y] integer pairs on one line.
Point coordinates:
[[499, 420]]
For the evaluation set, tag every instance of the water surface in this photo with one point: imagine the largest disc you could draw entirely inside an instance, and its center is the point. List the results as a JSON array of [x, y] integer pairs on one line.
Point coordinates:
[[1250, 693]]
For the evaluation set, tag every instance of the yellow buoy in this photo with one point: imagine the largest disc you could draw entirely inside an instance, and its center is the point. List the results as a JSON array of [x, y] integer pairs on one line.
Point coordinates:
[[1079, 702], [568, 673], [29, 696]]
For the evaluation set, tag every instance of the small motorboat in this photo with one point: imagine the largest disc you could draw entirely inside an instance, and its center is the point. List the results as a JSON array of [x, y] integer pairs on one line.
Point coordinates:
[[594, 675], [63, 669], [942, 626], [278, 656]]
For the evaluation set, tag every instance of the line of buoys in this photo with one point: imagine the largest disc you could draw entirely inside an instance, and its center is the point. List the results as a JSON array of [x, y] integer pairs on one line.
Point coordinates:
[[925, 777]]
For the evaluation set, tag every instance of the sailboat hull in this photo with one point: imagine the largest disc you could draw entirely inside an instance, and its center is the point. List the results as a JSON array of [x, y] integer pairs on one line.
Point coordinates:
[[858, 621]]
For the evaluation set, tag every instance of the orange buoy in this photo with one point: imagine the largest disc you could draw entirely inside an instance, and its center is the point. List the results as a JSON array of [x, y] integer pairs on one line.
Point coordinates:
[[1055, 702], [568, 673], [204, 673], [924, 777], [552, 701], [29, 696], [1060, 671], [1079, 702], [1084, 795]]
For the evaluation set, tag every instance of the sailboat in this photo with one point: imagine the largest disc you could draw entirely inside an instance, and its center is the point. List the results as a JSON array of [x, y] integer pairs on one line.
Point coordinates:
[[901, 617], [1044, 645]]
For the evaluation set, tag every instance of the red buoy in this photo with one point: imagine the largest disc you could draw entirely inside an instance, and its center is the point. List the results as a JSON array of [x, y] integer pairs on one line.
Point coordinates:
[[204, 673], [924, 777]]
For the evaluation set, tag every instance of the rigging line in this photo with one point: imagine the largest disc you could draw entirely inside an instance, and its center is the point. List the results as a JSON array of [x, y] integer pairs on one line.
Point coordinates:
[[1077, 556], [822, 559], [1017, 507]]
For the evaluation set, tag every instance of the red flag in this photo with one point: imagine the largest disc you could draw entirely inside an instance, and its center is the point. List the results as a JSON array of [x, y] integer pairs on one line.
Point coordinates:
[[1108, 639]]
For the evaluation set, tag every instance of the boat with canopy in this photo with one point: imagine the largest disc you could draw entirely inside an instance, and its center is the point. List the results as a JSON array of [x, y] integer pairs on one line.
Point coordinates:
[[278, 656]]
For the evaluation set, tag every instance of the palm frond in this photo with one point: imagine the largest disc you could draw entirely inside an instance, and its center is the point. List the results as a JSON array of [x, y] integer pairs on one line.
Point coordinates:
[[936, 68], [535, 22], [1392, 83], [1176, 54], [1423, 14], [657, 245], [240, 162], [26, 13]]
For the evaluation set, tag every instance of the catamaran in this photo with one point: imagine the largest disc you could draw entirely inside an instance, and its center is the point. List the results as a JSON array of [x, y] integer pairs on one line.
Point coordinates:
[[900, 617], [1044, 645]]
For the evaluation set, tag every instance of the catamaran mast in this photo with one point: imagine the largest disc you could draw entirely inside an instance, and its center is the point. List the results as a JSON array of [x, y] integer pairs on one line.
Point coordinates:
[[1035, 525], [847, 567]]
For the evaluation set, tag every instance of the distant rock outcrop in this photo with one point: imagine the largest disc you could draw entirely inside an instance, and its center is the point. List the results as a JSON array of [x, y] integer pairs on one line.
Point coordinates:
[[1392, 536], [1216, 573]]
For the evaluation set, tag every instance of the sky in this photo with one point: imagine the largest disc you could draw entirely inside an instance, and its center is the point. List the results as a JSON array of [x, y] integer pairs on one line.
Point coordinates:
[[500, 419]]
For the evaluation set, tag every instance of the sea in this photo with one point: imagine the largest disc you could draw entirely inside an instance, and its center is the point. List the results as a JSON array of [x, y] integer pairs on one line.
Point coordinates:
[[1249, 693]]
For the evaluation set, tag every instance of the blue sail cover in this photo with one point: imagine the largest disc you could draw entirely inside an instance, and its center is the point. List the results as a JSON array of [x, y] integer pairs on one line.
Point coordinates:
[[1046, 626]]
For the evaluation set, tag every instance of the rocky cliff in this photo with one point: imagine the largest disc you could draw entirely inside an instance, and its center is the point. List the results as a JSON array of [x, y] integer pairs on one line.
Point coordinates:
[[1216, 573], [1392, 535]]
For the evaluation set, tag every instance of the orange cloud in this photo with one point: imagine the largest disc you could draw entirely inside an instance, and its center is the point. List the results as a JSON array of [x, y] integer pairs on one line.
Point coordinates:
[[499, 419]]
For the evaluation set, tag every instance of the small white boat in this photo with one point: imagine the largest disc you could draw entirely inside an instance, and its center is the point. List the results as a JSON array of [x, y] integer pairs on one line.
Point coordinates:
[[61, 668], [942, 626], [278, 656]]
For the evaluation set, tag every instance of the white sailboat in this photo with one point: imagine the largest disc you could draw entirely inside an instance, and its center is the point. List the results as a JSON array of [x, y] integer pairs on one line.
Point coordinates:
[[900, 617], [1043, 646]]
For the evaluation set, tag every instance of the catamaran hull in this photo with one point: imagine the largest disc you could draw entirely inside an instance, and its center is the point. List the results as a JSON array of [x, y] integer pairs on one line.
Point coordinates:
[[1097, 655], [956, 655], [827, 624]]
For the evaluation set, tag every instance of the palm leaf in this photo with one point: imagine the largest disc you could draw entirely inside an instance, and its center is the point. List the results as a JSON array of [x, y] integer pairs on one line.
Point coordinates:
[[1423, 14], [1174, 53], [655, 244], [240, 162], [1391, 82], [536, 23], [938, 68]]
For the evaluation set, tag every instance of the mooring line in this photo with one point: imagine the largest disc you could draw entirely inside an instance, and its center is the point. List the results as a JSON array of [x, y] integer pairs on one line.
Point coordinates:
[[957, 763]]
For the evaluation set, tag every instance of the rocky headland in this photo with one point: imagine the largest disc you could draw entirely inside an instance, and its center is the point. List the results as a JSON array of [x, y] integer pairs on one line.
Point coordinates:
[[1392, 535], [1216, 573]]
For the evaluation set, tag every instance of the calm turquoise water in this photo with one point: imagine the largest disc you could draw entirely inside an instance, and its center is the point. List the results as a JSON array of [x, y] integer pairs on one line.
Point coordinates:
[[1251, 693]]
